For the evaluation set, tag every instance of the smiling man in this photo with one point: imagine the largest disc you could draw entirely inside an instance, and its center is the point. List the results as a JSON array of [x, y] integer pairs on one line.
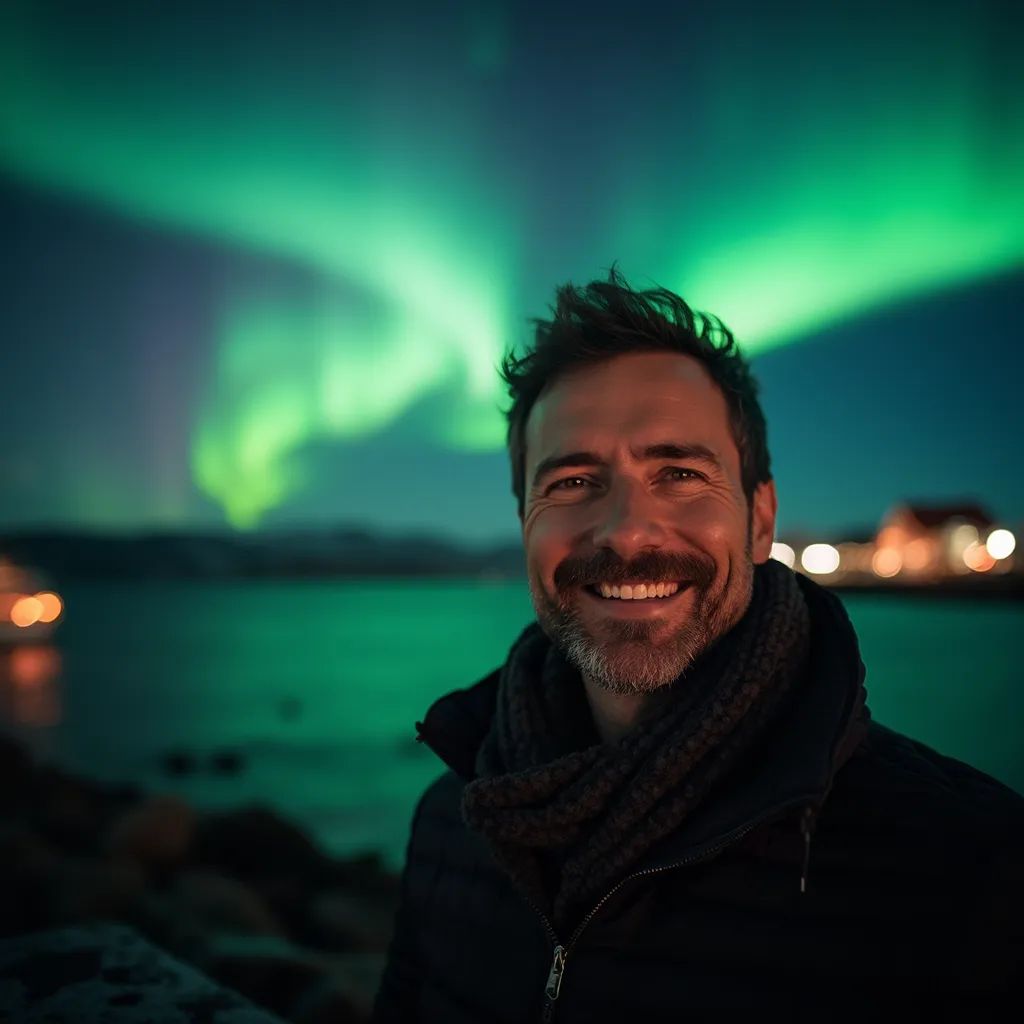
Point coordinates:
[[636, 485], [626, 829]]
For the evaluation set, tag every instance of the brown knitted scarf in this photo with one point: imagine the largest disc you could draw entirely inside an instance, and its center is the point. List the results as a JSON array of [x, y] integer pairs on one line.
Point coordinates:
[[567, 816]]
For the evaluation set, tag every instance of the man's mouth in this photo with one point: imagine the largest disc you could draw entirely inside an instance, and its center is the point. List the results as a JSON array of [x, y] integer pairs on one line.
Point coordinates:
[[638, 591]]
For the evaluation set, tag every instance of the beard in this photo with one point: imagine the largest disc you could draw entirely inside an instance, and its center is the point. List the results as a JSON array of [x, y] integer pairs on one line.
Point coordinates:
[[636, 656]]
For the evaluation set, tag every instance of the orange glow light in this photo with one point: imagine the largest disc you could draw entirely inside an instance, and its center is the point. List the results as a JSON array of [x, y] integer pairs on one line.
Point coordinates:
[[917, 554], [52, 606], [886, 562], [977, 558], [26, 611], [33, 667]]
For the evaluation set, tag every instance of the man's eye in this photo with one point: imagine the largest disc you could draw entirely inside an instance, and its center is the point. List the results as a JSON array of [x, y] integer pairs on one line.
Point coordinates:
[[678, 473], [570, 483]]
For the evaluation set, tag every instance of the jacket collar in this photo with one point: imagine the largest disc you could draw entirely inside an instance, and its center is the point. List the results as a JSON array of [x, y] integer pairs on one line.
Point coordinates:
[[795, 766]]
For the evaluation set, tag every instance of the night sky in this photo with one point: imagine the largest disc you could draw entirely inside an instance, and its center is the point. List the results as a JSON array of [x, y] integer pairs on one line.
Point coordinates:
[[258, 269]]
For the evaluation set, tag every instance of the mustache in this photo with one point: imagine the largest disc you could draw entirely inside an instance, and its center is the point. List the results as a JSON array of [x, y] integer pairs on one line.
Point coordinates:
[[656, 566]]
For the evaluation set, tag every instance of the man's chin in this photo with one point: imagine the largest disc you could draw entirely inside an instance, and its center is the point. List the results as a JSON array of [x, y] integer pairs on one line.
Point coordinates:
[[629, 666], [623, 656]]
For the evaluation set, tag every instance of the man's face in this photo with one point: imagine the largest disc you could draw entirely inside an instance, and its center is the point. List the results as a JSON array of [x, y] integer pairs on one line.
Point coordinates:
[[633, 479]]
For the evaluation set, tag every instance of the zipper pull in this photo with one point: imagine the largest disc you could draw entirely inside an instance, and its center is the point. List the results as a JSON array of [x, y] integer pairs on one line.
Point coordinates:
[[554, 984]]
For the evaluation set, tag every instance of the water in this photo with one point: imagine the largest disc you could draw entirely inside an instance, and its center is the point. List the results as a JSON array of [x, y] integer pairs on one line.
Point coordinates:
[[318, 685]]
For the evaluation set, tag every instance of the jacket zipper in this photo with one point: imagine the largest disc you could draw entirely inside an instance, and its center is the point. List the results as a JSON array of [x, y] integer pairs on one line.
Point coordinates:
[[554, 983], [553, 986]]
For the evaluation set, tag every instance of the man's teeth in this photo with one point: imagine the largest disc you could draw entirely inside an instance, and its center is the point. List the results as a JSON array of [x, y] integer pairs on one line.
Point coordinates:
[[638, 591]]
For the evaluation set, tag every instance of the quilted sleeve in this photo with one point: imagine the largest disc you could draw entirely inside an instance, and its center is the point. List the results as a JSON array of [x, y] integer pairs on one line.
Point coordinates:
[[398, 995]]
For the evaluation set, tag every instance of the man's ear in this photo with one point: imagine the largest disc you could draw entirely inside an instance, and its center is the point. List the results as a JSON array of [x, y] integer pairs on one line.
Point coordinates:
[[762, 521]]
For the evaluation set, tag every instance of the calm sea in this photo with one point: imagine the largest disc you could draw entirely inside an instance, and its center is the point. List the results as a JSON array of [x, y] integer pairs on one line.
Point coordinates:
[[317, 685]]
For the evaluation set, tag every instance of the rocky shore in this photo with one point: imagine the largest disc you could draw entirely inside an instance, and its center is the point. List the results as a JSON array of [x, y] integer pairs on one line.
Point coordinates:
[[244, 896]]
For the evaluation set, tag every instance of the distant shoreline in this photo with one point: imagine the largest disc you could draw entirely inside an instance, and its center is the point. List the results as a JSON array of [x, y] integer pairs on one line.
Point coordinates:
[[351, 554]]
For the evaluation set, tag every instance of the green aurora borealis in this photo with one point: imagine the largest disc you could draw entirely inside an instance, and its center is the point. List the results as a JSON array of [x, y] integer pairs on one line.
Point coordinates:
[[438, 175]]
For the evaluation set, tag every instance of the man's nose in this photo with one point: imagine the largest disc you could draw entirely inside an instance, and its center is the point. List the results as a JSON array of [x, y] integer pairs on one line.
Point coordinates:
[[629, 521]]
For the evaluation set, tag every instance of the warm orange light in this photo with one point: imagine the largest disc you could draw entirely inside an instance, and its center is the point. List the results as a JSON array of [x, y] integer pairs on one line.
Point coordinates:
[[26, 611], [892, 536], [977, 558], [32, 666], [35, 698], [917, 554], [52, 605], [886, 562]]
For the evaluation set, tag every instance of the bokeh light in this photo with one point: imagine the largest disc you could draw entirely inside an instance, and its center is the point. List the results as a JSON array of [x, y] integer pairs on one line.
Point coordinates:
[[820, 559], [962, 537], [26, 611], [784, 553], [977, 558], [33, 666], [886, 562], [918, 554], [1001, 543], [52, 606]]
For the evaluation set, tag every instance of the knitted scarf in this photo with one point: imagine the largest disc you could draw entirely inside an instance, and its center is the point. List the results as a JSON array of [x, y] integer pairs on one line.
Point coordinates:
[[567, 816]]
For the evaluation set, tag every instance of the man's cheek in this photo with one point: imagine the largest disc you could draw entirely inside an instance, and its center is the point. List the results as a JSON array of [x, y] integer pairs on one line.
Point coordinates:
[[544, 551]]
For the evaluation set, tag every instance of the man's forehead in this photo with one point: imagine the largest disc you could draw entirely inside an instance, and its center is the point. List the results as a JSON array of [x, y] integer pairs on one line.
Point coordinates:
[[640, 398]]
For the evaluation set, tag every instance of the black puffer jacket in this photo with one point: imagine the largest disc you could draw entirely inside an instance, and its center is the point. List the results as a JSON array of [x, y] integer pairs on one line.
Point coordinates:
[[829, 879]]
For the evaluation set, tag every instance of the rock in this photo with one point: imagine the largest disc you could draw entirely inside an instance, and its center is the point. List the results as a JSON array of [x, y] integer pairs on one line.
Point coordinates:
[[16, 770], [270, 854], [161, 918], [157, 832], [82, 890], [67, 810], [27, 864], [23, 852], [366, 873], [271, 971], [348, 921], [108, 974], [221, 903], [256, 843], [327, 1002], [346, 995]]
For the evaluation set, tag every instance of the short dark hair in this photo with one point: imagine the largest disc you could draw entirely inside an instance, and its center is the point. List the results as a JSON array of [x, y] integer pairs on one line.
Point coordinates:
[[605, 319]]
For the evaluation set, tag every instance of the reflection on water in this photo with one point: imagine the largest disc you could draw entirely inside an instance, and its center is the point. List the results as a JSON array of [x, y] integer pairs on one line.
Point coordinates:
[[30, 685], [303, 695]]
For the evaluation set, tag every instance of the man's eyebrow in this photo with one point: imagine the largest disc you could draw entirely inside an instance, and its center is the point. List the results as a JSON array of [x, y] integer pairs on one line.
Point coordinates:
[[675, 450], [553, 462]]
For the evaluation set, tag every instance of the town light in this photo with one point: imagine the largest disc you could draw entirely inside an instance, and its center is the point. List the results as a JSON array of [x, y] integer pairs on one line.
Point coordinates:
[[977, 558], [52, 606], [1001, 543], [26, 611], [886, 562], [820, 559], [962, 538], [784, 553]]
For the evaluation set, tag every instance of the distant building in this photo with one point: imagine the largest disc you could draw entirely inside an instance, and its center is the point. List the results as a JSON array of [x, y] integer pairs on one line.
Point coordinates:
[[931, 541]]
